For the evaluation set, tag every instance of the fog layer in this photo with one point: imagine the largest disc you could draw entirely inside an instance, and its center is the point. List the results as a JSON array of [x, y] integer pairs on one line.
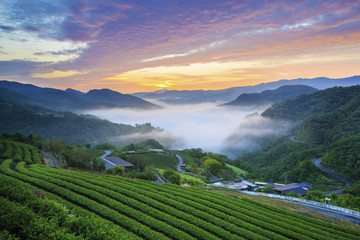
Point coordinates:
[[206, 126]]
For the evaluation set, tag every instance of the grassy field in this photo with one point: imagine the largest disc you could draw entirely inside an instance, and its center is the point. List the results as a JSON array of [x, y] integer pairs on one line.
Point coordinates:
[[158, 160], [188, 179], [237, 170]]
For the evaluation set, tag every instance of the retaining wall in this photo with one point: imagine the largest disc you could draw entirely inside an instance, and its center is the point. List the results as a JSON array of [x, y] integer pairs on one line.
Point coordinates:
[[313, 203]]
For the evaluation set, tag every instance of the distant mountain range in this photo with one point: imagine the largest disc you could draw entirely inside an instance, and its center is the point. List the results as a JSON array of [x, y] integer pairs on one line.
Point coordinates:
[[229, 94], [69, 100], [271, 96]]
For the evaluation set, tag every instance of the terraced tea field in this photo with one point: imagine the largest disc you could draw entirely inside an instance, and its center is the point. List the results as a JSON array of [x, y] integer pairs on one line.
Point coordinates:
[[39, 202]]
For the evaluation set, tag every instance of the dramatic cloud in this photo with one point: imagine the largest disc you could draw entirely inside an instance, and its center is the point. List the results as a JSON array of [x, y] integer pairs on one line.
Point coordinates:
[[123, 45]]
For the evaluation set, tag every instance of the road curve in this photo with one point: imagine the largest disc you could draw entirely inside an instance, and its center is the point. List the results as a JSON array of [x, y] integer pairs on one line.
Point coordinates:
[[108, 164], [181, 162], [317, 163]]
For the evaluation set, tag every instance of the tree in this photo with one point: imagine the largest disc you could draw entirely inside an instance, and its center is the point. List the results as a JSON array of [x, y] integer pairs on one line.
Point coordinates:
[[116, 170], [172, 176], [213, 166]]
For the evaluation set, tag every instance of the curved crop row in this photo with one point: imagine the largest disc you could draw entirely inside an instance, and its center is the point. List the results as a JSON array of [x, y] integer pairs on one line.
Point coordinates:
[[8, 150], [222, 204], [230, 207], [18, 219], [286, 216], [242, 228], [170, 219], [108, 213], [85, 223], [35, 155], [111, 203], [1, 146], [163, 196], [27, 153], [161, 203], [18, 151], [205, 207]]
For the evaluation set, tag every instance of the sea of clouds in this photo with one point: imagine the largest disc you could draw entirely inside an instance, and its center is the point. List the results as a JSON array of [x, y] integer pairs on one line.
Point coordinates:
[[227, 130]]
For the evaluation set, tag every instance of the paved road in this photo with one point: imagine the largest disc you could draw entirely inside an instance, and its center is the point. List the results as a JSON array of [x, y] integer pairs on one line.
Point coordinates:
[[108, 164], [181, 162], [334, 214], [317, 163]]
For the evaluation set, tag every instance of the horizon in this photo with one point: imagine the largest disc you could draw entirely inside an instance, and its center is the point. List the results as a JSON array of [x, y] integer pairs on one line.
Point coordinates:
[[85, 91], [134, 47]]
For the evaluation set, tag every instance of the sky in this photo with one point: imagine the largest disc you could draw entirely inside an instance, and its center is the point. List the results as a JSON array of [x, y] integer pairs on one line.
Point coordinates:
[[147, 45]]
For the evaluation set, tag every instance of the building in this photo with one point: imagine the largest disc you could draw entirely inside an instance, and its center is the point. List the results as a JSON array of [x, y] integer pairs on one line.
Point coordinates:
[[242, 185], [291, 188], [303, 184], [111, 161]]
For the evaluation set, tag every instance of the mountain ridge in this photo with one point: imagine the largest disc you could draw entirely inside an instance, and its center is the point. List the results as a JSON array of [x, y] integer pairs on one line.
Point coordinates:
[[71, 100], [229, 94], [271, 96]]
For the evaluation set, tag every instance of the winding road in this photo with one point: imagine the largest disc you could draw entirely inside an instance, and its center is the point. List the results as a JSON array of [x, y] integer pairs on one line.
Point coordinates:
[[108, 164], [181, 162], [317, 163]]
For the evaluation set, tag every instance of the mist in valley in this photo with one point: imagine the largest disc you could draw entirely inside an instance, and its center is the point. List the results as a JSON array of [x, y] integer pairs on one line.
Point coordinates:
[[226, 130]]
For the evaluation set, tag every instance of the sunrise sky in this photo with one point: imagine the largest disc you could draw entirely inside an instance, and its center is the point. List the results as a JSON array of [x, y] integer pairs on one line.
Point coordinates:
[[146, 45]]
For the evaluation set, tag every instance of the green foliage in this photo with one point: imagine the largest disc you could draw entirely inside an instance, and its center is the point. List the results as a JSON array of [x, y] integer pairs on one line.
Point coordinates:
[[344, 157], [167, 211], [74, 156], [155, 159], [172, 176], [280, 157], [213, 166], [324, 101], [147, 144], [65, 126], [266, 189], [354, 189], [104, 146], [116, 170]]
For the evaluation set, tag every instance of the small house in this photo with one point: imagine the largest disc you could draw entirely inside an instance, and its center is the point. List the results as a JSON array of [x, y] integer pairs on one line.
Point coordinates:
[[291, 188], [242, 185], [119, 161]]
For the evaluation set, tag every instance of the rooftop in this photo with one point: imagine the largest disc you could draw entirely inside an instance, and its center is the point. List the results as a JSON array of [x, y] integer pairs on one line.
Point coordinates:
[[119, 161]]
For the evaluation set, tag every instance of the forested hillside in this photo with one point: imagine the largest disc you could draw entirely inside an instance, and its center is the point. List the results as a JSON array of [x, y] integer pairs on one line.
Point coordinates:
[[66, 126], [329, 127]]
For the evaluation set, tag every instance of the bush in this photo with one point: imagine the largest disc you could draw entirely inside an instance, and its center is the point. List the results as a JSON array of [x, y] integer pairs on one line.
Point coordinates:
[[172, 176]]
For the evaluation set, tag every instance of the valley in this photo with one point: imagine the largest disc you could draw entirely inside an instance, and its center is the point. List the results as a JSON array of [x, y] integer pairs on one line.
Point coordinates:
[[164, 159]]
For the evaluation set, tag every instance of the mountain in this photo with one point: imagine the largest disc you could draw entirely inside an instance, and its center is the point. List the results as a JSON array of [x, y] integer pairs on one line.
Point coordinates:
[[271, 96], [120, 100], [70, 99], [229, 94], [328, 126], [65, 126]]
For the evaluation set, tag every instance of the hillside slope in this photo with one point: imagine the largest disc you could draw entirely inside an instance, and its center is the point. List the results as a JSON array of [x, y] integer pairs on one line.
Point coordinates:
[[329, 127], [145, 210], [66, 126]]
